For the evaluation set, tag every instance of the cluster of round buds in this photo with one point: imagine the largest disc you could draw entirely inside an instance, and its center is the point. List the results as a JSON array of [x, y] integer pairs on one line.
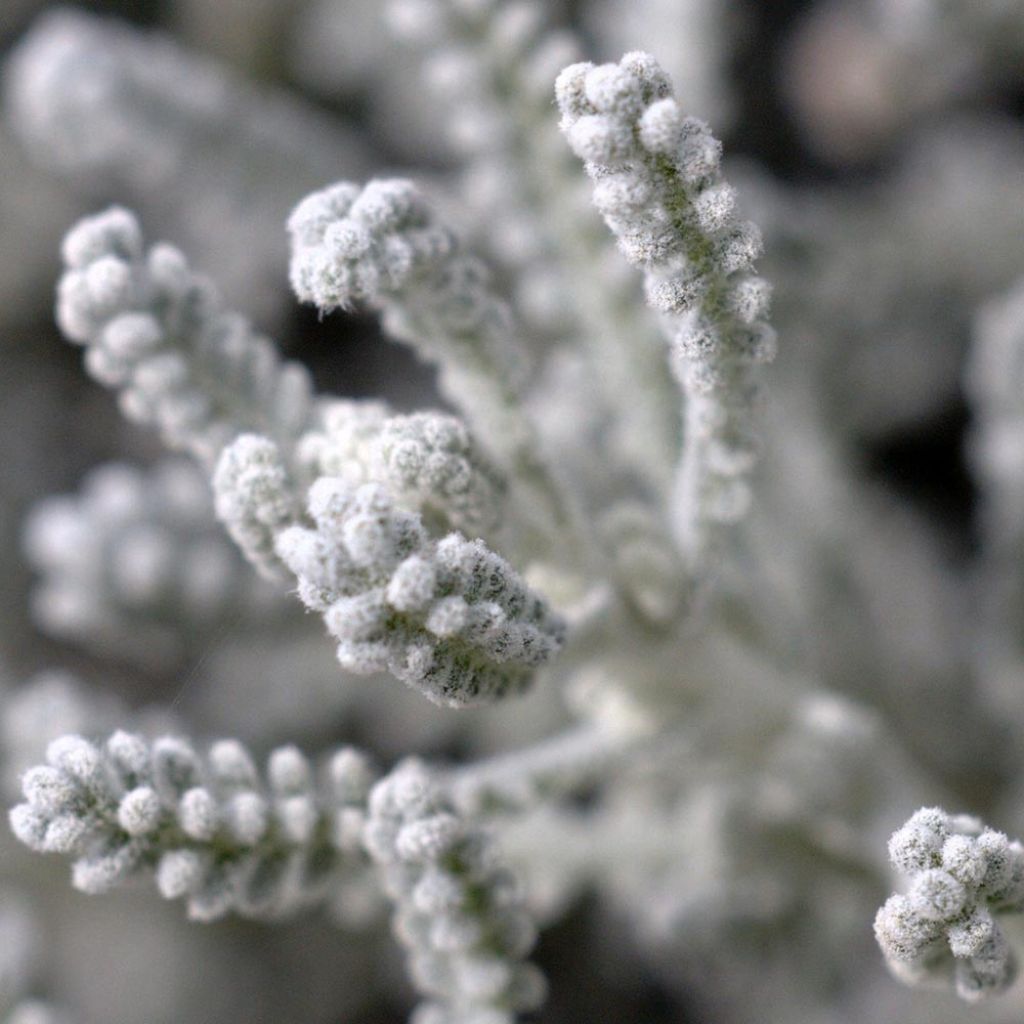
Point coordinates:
[[962, 874], [159, 333], [356, 245], [255, 499], [448, 617], [136, 566], [457, 910], [428, 461], [657, 184], [209, 829]]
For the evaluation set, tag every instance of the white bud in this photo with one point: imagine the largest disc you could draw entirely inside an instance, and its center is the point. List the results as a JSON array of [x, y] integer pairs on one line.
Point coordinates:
[[139, 811], [198, 814]]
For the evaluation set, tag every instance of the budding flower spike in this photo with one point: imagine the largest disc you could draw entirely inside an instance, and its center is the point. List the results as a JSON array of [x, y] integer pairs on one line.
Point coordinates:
[[209, 829], [160, 334], [658, 186]]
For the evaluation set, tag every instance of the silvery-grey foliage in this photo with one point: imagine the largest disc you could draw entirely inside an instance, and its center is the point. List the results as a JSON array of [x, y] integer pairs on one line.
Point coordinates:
[[691, 645]]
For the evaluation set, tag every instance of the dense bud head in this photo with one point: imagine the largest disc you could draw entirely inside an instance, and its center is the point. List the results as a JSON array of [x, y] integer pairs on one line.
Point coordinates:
[[917, 846]]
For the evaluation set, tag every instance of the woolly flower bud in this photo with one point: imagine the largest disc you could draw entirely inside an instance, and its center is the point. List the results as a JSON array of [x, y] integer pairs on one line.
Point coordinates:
[[198, 814], [448, 617], [599, 140], [159, 333], [918, 844], [231, 765], [288, 771], [254, 499], [47, 789], [570, 91], [207, 828], [139, 811], [179, 873], [657, 185], [351, 246], [903, 934], [466, 936], [960, 874], [937, 895]]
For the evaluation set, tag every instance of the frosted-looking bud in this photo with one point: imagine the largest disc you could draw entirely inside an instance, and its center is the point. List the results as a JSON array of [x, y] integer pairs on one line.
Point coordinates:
[[658, 187], [206, 828], [961, 875], [428, 460], [254, 499], [461, 921], [388, 594], [160, 334]]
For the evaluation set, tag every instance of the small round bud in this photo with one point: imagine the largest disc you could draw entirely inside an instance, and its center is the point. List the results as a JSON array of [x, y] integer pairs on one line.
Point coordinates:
[[139, 811]]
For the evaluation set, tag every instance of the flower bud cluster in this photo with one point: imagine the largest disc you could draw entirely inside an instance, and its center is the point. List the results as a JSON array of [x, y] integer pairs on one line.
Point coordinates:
[[209, 829], [135, 565], [354, 245], [944, 928], [158, 332], [458, 911], [255, 499], [657, 184], [448, 617], [427, 460]]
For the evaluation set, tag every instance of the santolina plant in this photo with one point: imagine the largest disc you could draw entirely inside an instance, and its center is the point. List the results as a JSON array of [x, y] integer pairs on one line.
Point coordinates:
[[622, 571]]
